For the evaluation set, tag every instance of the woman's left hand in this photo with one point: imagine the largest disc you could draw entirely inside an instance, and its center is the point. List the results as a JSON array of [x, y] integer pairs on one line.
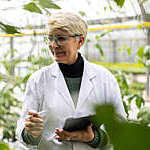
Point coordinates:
[[86, 135]]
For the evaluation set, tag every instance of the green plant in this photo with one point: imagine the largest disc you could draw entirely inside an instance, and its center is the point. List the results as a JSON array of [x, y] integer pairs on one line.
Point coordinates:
[[13, 85], [98, 42], [8, 99], [4, 146], [123, 135], [127, 95], [144, 115], [143, 56], [133, 68]]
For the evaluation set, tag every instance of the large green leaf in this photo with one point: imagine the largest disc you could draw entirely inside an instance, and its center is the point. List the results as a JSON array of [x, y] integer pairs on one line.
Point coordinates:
[[8, 28], [4, 146], [120, 2], [48, 4], [32, 7], [123, 135]]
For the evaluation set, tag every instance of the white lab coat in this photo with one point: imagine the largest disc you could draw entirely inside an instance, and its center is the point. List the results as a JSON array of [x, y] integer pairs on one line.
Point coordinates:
[[46, 90]]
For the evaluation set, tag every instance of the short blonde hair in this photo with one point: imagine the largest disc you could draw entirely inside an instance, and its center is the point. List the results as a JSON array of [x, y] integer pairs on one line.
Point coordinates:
[[69, 22]]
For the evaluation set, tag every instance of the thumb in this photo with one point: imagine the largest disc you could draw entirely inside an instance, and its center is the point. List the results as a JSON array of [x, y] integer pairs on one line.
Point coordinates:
[[33, 113]]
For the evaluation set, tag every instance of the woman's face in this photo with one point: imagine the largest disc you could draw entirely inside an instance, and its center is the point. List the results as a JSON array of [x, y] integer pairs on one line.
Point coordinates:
[[64, 49]]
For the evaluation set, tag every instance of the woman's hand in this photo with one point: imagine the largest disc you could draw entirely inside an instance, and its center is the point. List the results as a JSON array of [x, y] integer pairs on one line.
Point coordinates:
[[86, 135], [34, 124]]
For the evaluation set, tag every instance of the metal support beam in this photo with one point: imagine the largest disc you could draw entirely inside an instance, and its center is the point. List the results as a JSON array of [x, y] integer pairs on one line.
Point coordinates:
[[148, 69], [11, 55]]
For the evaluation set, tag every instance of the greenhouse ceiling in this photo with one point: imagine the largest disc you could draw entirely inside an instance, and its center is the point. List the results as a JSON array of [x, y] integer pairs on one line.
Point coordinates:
[[12, 12]]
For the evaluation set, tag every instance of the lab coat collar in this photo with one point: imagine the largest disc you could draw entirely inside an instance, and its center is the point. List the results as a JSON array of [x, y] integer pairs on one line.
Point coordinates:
[[87, 69], [86, 84]]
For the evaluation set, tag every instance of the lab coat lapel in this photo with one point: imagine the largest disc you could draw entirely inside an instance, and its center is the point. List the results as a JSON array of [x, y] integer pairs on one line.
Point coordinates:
[[62, 88], [86, 84]]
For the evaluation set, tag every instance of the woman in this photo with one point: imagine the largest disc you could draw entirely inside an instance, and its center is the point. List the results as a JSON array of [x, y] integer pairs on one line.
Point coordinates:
[[70, 87]]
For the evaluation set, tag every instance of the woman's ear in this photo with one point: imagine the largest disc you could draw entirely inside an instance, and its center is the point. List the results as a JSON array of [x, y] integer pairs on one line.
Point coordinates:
[[81, 41]]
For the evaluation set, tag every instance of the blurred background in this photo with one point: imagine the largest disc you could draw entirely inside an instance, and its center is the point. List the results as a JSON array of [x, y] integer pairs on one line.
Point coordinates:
[[118, 38]]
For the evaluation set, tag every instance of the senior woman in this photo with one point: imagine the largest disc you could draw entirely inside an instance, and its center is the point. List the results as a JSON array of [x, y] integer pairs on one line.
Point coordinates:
[[70, 87]]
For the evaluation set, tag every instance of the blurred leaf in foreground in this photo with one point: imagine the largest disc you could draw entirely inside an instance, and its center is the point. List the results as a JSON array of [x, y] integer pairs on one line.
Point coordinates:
[[123, 135], [4, 146]]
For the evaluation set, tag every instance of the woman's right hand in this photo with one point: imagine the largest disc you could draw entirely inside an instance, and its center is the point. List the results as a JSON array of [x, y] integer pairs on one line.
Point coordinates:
[[34, 124]]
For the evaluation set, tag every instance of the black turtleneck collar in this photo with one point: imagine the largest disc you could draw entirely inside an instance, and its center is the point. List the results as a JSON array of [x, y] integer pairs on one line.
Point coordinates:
[[74, 70]]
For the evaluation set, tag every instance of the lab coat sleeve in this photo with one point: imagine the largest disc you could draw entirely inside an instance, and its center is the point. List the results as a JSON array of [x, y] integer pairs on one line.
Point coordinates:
[[113, 95], [31, 101]]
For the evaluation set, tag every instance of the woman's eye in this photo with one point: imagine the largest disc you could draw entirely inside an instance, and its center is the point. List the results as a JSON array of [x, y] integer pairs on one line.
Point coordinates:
[[61, 38]]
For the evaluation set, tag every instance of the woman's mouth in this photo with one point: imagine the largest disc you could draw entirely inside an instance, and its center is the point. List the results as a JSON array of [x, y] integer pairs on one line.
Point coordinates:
[[60, 54]]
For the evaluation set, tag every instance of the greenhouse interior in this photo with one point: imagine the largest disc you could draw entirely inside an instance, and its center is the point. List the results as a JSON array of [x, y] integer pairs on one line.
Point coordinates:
[[118, 39]]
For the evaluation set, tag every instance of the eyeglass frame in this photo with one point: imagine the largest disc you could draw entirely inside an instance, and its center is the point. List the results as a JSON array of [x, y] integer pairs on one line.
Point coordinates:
[[55, 38]]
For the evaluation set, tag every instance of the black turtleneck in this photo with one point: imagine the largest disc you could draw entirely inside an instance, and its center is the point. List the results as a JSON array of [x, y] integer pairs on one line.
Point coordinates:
[[74, 70]]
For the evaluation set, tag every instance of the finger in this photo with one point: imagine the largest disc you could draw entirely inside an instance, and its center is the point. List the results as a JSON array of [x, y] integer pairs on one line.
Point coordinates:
[[33, 125], [62, 138], [34, 119], [34, 114], [63, 134], [34, 129], [59, 132]]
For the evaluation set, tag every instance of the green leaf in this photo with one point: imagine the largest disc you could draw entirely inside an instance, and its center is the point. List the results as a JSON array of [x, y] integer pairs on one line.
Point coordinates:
[[4, 146], [32, 7], [139, 27], [147, 52], [140, 52], [124, 47], [8, 28], [26, 78], [130, 98], [97, 37], [82, 13], [88, 40], [105, 8], [98, 46], [105, 33], [119, 2], [143, 1], [29, 27], [126, 108], [144, 114], [129, 51], [124, 81], [48, 4], [139, 101]]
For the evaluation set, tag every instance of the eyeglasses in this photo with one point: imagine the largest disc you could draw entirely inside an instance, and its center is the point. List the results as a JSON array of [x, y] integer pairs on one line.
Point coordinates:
[[60, 39]]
